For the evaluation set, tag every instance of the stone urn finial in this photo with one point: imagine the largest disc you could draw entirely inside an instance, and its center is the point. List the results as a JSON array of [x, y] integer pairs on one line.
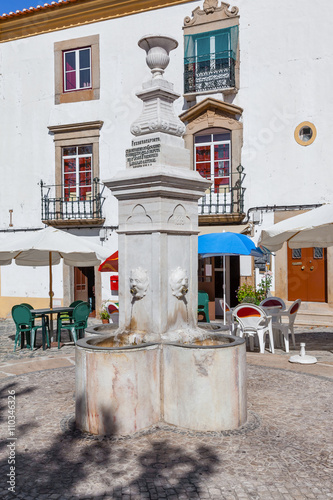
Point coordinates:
[[157, 94], [157, 49]]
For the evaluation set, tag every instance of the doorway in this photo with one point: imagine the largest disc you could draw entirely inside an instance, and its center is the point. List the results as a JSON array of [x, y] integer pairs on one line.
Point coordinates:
[[84, 286], [307, 274], [232, 278]]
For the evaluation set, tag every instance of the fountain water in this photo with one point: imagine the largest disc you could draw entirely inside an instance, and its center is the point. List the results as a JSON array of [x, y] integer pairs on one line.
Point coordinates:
[[159, 365]]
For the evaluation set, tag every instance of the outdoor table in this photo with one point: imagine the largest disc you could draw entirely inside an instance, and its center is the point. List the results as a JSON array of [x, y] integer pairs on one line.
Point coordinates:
[[274, 311], [44, 312]]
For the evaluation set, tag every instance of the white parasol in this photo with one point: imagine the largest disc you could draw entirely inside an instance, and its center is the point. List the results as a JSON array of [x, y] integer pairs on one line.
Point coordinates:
[[47, 247]]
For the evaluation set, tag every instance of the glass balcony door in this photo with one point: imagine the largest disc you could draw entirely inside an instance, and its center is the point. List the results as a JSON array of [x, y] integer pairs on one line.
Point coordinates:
[[77, 179]]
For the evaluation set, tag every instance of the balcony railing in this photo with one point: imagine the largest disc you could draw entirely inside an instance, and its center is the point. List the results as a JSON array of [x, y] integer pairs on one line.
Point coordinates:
[[71, 208], [213, 74], [226, 200]]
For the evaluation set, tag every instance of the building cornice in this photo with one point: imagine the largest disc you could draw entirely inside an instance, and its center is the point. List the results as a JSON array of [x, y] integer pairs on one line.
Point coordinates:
[[75, 127], [72, 13], [210, 104]]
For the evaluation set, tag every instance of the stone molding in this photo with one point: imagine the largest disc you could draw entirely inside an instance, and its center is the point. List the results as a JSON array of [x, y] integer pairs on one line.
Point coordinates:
[[158, 113], [139, 216], [59, 17], [211, 9], [209, 109], [212, 113], [179, 216], [74, 134], [156, 182], [60, 97], [74, 127]]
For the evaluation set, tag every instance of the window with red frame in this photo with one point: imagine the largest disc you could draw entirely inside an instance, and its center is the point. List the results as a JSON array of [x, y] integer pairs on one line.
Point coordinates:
[[213, 158], [77, 172], [77, 69]]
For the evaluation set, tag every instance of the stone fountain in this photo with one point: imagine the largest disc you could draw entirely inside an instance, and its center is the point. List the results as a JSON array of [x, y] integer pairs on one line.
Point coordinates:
[[159, 366]]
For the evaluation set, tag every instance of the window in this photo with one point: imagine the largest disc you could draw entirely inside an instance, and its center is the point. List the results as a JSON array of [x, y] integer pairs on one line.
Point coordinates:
[[76, 194], [210, 60], [296, 253], [318, 253], [77, 170], [77, 70], [305, 133], [213, 158], [214, 136]]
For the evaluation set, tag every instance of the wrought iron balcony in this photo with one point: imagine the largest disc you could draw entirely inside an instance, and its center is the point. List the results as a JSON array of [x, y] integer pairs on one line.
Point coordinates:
[[212, 74], [74, 208], [223, 203]]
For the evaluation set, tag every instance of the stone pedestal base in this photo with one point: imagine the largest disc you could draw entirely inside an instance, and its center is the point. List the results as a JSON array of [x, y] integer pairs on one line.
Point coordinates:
[[122, 390]]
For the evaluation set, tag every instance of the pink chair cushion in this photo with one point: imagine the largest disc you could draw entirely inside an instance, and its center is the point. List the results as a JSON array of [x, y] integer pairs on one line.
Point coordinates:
[[247, 311], [294, 309], [272, 303]]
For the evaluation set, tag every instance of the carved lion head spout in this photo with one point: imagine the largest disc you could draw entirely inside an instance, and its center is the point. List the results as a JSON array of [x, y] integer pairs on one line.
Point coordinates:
[[179, 282], [139, 282]]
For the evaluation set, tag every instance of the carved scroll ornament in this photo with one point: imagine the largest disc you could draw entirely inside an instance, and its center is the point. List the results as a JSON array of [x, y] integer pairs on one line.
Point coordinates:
[[210, 7]]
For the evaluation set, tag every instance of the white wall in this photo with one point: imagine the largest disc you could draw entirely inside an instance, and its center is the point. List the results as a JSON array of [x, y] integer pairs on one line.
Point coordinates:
[[285, 74], [286, 67]]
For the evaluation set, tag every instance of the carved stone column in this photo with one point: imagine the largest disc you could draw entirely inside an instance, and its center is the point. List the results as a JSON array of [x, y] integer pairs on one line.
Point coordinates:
[[158, 215]]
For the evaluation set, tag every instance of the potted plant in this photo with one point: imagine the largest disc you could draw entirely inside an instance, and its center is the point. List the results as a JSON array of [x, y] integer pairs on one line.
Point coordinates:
[[251, 294], [104, 315]]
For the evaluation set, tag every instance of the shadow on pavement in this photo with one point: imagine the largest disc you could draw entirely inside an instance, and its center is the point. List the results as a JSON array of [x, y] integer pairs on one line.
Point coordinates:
[[72, 456]]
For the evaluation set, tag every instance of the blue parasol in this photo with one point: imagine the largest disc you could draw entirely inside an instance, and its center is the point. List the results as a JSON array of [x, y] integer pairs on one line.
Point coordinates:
[[223, 244]]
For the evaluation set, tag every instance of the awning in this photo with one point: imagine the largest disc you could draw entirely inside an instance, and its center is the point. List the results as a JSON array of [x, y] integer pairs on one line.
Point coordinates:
[[110, 265]]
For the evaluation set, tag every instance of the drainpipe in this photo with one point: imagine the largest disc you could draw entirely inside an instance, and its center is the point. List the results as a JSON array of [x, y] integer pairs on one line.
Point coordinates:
[[112, 228], [279, 208]]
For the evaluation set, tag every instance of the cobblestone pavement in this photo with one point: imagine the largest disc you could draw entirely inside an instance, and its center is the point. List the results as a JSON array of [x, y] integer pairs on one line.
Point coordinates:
[[7, 337], [283, 452]]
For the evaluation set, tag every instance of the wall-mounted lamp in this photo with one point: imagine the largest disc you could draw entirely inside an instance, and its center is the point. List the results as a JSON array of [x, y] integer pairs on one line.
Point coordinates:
[[102, 234]]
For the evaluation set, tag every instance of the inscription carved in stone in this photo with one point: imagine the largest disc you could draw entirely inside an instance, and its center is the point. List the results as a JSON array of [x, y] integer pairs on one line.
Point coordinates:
[[143, 156]]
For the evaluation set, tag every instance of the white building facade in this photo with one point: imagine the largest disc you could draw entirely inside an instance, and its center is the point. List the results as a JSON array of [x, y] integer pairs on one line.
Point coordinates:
[[255, 99]]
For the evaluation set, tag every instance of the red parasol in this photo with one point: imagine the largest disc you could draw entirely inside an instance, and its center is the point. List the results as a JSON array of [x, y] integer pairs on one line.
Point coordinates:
[[110, 265]]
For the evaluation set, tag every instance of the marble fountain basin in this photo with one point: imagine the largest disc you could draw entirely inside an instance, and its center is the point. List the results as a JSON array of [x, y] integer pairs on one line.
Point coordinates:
[[124, 387]]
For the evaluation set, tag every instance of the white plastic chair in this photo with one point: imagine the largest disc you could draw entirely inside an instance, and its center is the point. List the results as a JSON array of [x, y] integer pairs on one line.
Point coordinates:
[[273, 307], [253, 321], [273, 302], [286, 328]]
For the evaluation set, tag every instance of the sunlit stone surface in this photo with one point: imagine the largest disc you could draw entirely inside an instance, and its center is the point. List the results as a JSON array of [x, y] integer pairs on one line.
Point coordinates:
[[159, 365]]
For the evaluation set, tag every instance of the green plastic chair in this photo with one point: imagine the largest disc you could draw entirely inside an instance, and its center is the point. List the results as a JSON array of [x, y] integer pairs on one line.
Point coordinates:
[[203, 301], [37, 316], [77, 323], [24, 322], [68, 316]]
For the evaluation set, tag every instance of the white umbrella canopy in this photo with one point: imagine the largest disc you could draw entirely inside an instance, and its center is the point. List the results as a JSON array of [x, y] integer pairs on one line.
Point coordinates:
[[47, 247], [33, 249], [311, 229]]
